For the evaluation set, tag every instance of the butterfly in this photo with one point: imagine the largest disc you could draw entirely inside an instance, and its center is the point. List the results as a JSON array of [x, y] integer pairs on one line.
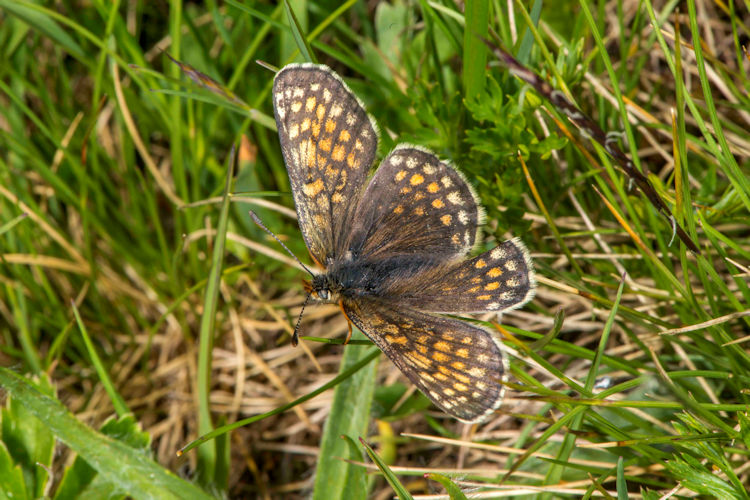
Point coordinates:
[[393, 247]]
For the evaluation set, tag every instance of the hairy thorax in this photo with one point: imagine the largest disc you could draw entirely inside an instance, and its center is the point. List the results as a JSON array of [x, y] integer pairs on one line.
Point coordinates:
[[352, 279]]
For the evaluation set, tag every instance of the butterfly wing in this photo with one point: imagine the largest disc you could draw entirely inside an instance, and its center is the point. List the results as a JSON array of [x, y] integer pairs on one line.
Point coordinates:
[[460, 367], [329, 143], [502, 278], [415, 204]]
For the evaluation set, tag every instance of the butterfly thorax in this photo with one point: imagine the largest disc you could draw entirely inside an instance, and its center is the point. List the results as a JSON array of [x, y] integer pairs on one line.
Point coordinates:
[[358, 278]]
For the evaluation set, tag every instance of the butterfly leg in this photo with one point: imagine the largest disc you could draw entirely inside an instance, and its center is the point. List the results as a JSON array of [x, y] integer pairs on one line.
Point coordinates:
[[348, 322]]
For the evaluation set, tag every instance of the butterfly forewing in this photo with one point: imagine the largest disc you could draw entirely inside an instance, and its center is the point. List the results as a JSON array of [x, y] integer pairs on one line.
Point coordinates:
[[415, 204], [329, 144], [499, 279], [460, 367]]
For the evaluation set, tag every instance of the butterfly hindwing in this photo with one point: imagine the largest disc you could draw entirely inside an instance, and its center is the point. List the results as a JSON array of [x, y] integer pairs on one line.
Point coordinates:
[[329, 144], [459, 366], [499, 279], [415, 204]]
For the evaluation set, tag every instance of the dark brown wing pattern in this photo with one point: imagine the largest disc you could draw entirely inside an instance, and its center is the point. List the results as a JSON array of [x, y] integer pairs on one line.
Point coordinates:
[[459, 366], [329, 144], [415, 204], [502, 278]]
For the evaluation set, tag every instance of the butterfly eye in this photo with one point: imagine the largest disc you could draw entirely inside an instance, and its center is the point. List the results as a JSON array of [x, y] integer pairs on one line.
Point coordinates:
[[323, 294]]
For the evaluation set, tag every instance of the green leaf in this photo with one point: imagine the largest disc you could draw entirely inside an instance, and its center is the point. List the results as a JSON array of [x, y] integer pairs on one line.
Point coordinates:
[[350, 416], [696, 477], [299, 36], [398, 488], [622, 485], [42, 21], [129, 470], [210, 473], [117, 401], [476, 29], [29, 441], [11, 476], [454, 491], [82, 481]]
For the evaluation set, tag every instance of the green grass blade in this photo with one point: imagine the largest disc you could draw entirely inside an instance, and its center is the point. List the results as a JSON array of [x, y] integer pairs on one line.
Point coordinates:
[[476, 28], [398, 488], [336, 479], [207, 453], [36, 17], [300, 39], [454, 491], [120, 405]]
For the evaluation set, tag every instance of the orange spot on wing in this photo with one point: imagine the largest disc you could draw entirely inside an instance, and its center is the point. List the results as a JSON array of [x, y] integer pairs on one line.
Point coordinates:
[[310, 104], [442, 346], [313, 188], [440, 357], [351, 160], [401, 340], [338, 153]]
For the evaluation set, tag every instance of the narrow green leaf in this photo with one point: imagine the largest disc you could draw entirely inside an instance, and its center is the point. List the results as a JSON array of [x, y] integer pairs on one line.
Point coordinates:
[[476, 28], [207, 453], [11, 223], [454, 491], [350, 415], [121, 407], [398, 488], [622, 485], [299, 37], [36, 16]]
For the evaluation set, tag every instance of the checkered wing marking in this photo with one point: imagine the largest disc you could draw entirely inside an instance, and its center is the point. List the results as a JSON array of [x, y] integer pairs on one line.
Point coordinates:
[[415, 204], [502, 278], [458, 366], [329, 144]]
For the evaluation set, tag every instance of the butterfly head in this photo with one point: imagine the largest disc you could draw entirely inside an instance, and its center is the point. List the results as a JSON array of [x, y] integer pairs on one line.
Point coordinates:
[[323, 290]]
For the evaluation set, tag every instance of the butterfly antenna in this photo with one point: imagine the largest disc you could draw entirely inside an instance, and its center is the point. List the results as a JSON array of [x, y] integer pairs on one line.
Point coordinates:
[[260, 224], [295, 334]]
